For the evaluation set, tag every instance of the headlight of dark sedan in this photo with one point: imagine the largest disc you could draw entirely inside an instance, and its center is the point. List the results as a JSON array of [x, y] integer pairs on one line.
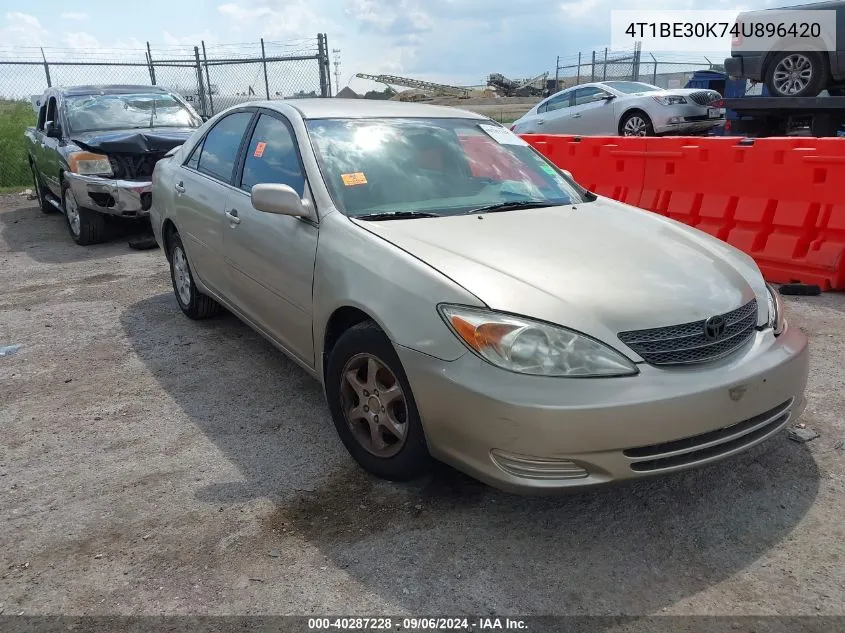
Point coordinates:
[[531, 347], [777, 319], [669, 100]]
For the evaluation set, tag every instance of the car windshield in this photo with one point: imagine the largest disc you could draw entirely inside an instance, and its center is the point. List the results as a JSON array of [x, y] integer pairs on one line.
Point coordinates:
[[123, 111], [433, 166], [631, 87]]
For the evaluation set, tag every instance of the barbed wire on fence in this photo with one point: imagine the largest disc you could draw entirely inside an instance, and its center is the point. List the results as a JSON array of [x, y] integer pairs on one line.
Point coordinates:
[[665, 71]]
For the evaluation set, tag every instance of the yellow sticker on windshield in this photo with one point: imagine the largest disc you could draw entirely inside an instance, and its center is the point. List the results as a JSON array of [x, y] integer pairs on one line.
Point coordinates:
[[350, 180]]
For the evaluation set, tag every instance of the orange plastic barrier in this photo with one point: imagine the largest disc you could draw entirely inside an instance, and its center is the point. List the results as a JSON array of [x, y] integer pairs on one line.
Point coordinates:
[[778, 199]]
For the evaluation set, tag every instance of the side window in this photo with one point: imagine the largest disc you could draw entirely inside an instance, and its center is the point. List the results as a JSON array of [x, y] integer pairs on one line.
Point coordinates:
[[272, 157], [561, 101], [194, 160], [587, 95], [220, 149], [42, 116]]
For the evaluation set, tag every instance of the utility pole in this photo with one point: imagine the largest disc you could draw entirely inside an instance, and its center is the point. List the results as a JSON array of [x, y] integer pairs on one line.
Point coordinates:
[[336, 54]]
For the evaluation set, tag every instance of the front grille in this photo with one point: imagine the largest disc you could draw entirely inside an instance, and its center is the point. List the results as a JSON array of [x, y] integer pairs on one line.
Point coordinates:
[[134, 166], [687, 343], [710, 445], [704, 97]]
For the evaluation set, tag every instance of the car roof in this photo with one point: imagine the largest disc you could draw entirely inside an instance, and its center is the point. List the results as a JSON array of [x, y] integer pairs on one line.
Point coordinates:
[[109, 89], [367, 108]]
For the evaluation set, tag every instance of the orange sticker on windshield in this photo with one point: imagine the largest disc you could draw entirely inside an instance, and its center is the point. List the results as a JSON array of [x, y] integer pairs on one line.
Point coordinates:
[[350, 180], [259, 150]]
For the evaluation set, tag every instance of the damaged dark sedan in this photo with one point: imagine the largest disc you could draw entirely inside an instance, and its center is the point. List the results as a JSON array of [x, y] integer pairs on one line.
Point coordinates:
[[93, 150]]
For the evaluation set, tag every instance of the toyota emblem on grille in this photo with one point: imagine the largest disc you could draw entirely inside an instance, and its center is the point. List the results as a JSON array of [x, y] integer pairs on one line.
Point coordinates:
[[714, 327]]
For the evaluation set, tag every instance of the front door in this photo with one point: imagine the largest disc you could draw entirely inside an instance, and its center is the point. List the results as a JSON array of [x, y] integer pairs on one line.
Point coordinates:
[[591, 113], [201, 189], [271, 257]]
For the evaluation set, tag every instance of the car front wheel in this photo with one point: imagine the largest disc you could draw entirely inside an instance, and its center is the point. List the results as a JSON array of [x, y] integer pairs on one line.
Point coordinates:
[[85, 226], [372, 405], [636, 124]]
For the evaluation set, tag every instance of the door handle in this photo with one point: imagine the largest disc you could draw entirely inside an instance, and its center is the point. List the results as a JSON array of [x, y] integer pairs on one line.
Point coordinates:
[[233, 216], [540, 122], [180, 188], [576, 115]]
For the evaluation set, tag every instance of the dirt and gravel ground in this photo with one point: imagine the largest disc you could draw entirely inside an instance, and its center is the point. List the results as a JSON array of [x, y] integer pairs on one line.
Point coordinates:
[[150, 464]]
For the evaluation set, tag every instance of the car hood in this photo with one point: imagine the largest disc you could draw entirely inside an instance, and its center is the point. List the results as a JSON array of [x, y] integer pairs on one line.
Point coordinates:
[[601, 267], [133, 141]]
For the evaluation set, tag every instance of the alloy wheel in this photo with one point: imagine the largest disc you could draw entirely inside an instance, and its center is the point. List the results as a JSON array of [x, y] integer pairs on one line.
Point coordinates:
[[635, 126], [72, 212], [374, 405], [182, 275], [793, 74]]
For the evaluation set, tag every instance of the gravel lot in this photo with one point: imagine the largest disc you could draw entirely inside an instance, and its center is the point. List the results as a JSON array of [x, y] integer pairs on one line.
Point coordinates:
[[150, 464]]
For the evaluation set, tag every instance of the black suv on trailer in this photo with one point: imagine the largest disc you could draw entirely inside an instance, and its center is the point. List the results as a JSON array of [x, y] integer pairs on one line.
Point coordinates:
[[793, 73]]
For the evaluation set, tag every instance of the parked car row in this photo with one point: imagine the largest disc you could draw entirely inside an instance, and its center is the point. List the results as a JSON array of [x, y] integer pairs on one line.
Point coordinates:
[[462, 299]]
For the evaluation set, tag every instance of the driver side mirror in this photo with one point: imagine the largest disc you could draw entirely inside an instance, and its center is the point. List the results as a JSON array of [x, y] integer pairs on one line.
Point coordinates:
[[278, 199], [51, 129], [608, 97]]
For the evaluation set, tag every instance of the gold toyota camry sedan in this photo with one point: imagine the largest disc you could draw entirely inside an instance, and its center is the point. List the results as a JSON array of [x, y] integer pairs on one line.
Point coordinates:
[[461, 298]]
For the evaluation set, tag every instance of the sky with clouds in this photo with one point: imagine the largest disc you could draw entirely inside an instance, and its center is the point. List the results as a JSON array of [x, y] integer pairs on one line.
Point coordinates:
[[453, 41]]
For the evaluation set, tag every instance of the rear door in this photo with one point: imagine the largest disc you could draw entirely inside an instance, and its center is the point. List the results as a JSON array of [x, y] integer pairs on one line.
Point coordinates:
[[554, 119], [38, 139], [271, 257], [202, 186], [591, 113]]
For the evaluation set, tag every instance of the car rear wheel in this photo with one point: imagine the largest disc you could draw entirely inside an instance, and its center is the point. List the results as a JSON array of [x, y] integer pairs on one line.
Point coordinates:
[[40, 194], [85, 226], [636, 124], [791, 74], [193, 303], [372, 405]]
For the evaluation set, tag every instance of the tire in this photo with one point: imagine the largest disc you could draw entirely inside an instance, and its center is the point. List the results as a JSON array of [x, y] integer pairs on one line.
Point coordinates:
[[636, 121], [194, 304], [403, 459], [86, 226], [810, 80], [40, 195]]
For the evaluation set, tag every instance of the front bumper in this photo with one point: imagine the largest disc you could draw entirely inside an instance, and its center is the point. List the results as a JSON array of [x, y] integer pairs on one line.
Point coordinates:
[[125, 198], [542, 435], [685, 119]]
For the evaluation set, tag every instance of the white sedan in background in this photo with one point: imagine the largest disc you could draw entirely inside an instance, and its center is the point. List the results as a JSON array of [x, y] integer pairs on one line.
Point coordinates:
[[624, 108]]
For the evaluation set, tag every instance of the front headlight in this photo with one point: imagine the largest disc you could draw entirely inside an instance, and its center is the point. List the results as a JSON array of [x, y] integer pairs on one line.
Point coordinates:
[[88, 164], [531, 347], [777, 319], [671, 100]]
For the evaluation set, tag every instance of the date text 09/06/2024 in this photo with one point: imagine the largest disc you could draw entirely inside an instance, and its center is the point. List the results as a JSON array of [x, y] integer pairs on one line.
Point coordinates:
[[416, 624]]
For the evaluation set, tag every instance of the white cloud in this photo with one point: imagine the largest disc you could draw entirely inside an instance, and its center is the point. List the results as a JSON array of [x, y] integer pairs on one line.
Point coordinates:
[[22, 29], [80, 39], [294, 19], [74, 15]]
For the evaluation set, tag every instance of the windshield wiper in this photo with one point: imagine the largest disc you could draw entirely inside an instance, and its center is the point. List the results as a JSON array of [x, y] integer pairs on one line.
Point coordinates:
[[397, 215], [512, 205]]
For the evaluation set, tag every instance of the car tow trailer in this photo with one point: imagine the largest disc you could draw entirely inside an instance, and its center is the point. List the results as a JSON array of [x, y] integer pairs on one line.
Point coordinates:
[[776, 116]]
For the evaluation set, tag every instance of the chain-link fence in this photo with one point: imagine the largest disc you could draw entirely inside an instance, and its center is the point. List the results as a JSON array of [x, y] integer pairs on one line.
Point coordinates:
[[211, 78], [629, 65]]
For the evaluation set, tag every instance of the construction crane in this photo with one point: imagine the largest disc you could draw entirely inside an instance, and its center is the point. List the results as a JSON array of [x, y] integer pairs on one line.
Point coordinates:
[[406, 82]]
